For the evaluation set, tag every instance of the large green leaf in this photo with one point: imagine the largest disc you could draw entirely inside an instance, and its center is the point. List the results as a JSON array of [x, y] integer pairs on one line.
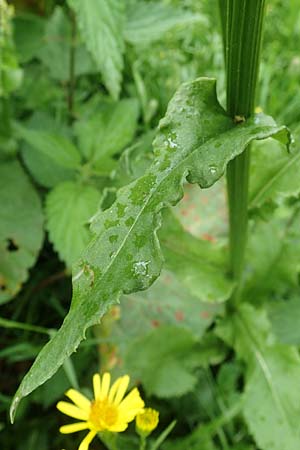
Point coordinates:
[[57, 41], [44, 169], [273, 256], [272, 381], [149, 21], [101, 26], [285, 320], [162, 361], [55, 146], [69, 206], [21, 228], [199, 264], [274, 173], [196, 139], [108, 131]]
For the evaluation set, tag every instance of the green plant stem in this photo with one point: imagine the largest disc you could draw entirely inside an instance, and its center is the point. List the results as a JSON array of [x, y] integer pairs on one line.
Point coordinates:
[[142, 443], [242, 22]]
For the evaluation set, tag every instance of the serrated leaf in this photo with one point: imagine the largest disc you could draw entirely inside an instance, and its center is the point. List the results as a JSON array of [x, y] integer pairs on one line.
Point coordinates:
[[274, 173], [69, 206], [56, 147], [108, 131], [101, 25], [273, 374], [195, 139], [149, 21], [199, 264], [21, 228]]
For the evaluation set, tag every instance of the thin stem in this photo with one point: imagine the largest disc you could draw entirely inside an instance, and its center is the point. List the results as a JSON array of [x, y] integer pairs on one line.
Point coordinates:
[[142, 443], [242, 22]]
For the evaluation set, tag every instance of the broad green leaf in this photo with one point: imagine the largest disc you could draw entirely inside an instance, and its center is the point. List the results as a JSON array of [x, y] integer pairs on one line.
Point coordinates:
[[149, 21], [274, 173], [272, 258], [57, 41], [21, 228], [42, 167], [166, 302], [285, 320], [161, 360], [28, 44], [272, 380], [108, 131], [101, 26], [199, 438], [69, 206], [196, 139], [199, 264], [55, 146]]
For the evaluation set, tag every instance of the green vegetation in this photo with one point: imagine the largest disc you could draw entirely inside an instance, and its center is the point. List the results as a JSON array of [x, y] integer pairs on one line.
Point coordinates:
[[122, 126]]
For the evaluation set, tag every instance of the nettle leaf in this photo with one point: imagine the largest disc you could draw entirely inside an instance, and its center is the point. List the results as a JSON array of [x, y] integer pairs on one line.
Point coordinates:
[[57, 40], [101, 26], [197, 263], [161, 360], [108, 131], [69, 206], [21, 228], [55, 146], [273, 374], [43, 168], [196, 139], [149, 21], [274, 173]]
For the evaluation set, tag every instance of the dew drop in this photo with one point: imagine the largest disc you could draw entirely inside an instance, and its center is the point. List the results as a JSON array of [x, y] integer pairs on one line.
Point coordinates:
[[212, 170]]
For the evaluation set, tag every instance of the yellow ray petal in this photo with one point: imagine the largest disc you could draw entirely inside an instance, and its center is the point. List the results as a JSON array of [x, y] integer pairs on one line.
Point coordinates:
[[80, 400], [87, 440], [122, 388], [132, 401], [72, 411], [105, 385], [118, 427], [97, 385], [73, 427], [114, 389]]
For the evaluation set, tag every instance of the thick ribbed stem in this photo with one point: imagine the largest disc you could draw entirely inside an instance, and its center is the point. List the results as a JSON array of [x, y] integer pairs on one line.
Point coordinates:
[[242, 22]]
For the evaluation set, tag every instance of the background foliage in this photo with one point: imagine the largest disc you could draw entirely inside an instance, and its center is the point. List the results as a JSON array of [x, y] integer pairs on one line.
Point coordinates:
[[81, 95]]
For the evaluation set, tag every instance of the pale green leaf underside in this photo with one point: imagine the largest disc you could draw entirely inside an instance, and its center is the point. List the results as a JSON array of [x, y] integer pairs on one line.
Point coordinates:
[[274, 173], [196, 139], [198, 264], [273, 376], [69, 206]]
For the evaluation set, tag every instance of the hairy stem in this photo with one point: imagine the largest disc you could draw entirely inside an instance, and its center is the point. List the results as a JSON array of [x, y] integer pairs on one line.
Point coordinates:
[[242, 22]]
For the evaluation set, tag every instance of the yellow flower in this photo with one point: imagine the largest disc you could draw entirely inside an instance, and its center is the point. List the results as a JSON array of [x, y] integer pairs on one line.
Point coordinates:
[[147, 421], [109, 411]]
